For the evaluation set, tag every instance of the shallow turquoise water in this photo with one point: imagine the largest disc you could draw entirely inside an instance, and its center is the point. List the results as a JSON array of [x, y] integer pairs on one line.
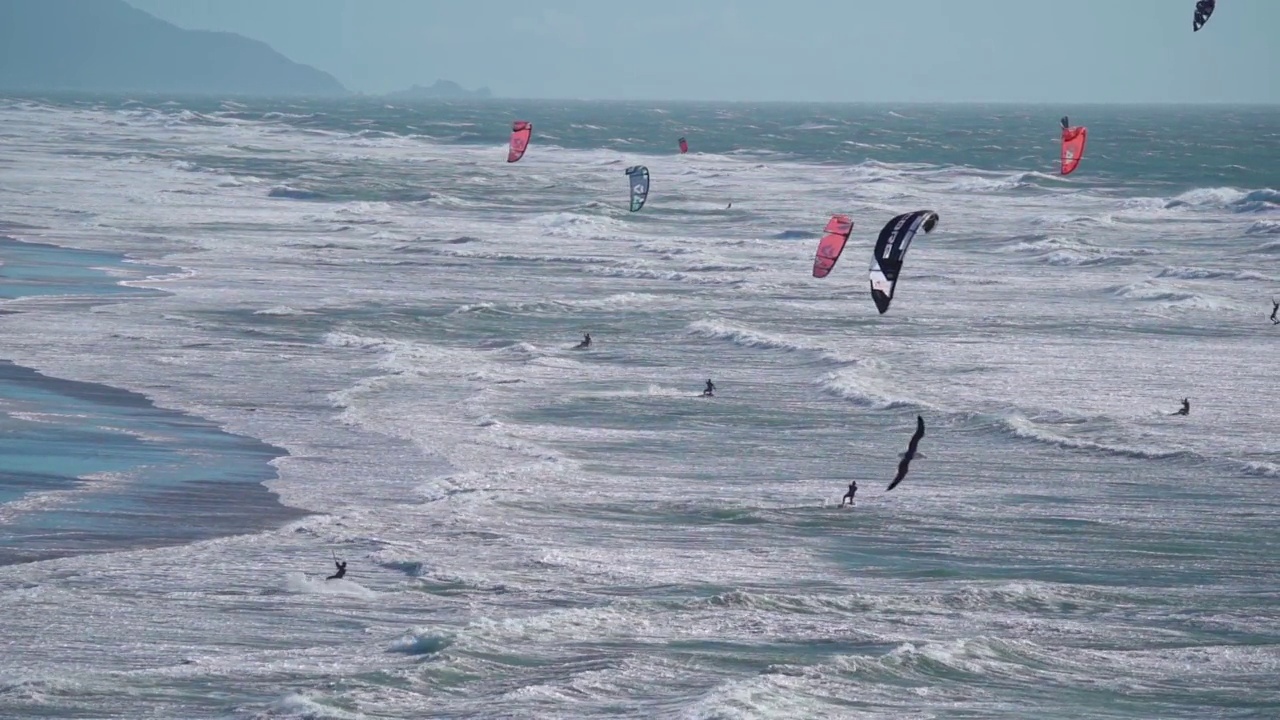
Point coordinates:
[[86, 467]]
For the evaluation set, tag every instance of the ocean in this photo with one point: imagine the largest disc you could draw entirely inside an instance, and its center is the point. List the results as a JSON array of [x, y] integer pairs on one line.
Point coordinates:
[[246, 338]]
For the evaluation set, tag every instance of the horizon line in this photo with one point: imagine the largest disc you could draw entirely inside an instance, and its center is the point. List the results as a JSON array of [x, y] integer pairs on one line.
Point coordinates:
[[356, 95]]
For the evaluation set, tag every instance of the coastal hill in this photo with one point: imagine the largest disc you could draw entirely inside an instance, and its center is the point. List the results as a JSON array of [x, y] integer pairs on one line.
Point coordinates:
[[441, 90], [109, 46]]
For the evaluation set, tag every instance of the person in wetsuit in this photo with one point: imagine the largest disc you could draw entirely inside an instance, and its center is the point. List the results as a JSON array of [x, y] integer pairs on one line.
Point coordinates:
[[1186, 407], [1275, 306], [853, 490], [342, 570], [710, 389], [586, 341]]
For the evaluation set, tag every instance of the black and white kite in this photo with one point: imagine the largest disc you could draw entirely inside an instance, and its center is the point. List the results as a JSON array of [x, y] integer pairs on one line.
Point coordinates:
[[1204, 8], [891, 251]]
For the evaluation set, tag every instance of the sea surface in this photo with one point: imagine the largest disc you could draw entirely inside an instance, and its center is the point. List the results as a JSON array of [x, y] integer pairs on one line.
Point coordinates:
[[86, 467], [387, 308]]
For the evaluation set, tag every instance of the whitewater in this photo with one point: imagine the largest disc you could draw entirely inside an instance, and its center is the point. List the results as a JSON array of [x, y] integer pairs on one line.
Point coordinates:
[[373, 308]]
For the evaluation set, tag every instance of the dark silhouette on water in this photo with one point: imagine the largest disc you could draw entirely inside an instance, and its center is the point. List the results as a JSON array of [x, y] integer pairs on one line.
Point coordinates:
[[446, 89], [1275, 306], [710, 389], [342, 569], [909, 454], [1186, 407], [853, 490]]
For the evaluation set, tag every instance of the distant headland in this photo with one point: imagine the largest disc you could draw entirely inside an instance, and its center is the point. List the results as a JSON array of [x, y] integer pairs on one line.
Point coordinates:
[[441, 90], [108, 46]]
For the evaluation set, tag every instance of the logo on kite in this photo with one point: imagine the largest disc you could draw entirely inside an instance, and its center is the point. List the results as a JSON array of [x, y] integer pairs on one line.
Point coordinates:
[[891, 251], [638, 175]]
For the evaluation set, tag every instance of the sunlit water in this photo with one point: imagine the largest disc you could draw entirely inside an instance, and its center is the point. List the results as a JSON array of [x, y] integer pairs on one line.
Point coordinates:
[[537, 532]]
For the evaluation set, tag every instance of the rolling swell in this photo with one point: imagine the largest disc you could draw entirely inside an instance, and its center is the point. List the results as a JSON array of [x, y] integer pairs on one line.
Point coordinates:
[[747, 337], [1076, 436], [1073, 252], [869, 388], [1194, 273], [1227, 198], [604, 542]]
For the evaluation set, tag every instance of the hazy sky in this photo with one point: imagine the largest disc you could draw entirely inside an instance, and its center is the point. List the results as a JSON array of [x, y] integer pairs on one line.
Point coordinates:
[[837, 50]]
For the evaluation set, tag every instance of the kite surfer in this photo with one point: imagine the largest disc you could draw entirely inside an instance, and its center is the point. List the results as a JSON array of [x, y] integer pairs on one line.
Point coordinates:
[[853, 490], [1186, 407], [586, 342], [710, 389], [1275, 306], [342, 569]]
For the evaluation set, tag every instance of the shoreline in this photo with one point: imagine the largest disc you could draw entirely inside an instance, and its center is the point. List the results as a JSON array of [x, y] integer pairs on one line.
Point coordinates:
[[100, 468]]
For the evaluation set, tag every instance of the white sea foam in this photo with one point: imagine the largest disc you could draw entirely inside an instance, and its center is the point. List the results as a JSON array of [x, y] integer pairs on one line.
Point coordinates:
[[536, 531]]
